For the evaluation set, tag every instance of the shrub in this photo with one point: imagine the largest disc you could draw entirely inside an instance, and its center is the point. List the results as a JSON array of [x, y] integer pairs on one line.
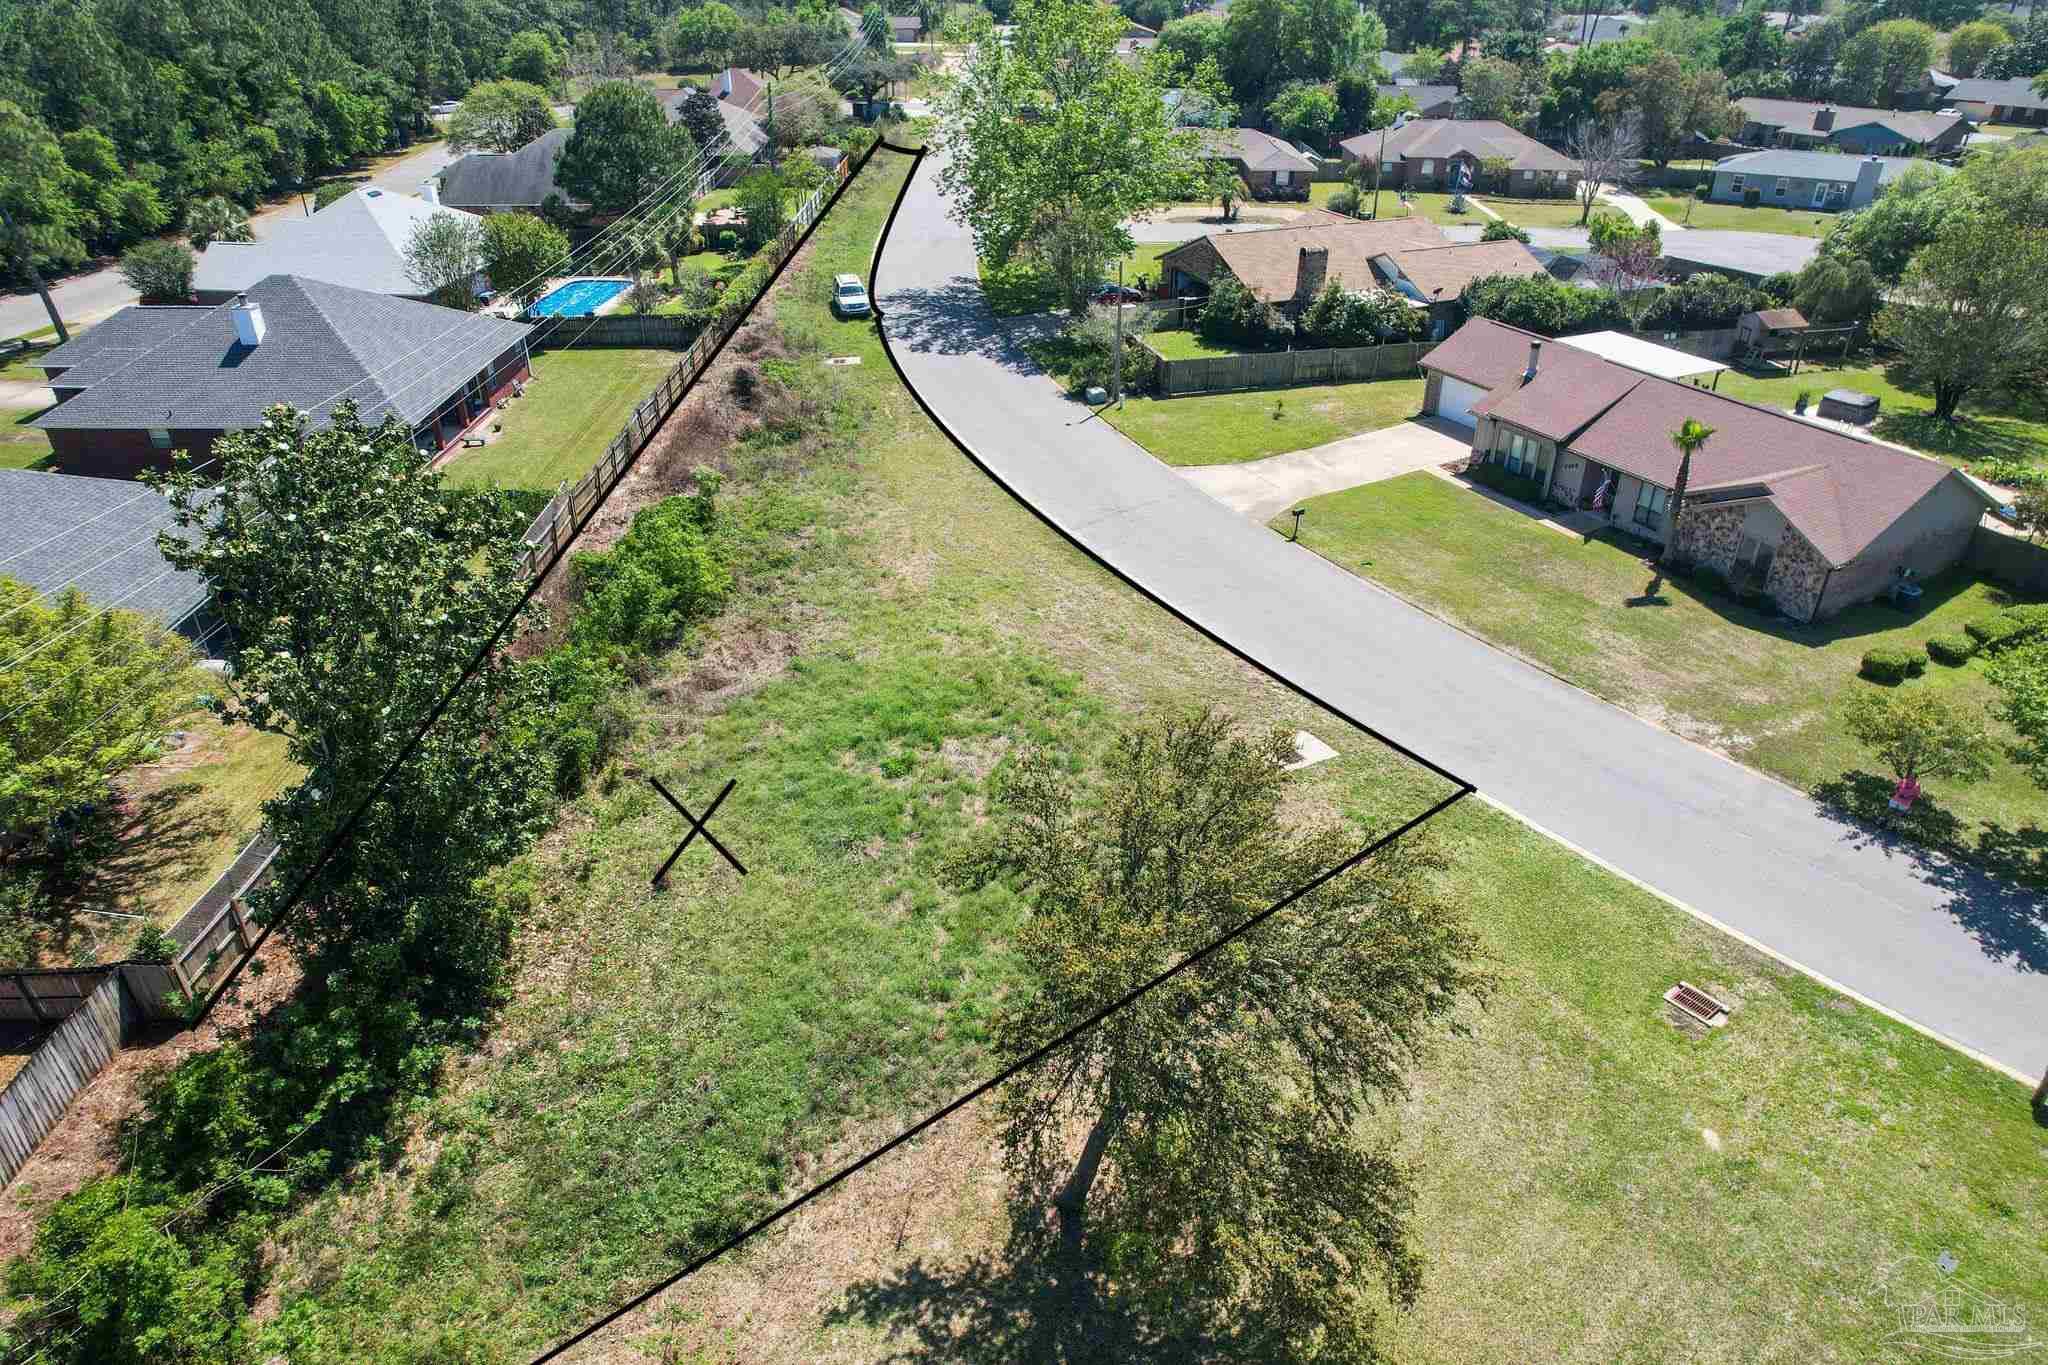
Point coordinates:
[[582, 717], [1496, 476], [160, 270], [668, 569], [1345, 201], [1234, 313], [1892, 663], [153, 945], [2004, 629], [1953, 650], [1500, 230]]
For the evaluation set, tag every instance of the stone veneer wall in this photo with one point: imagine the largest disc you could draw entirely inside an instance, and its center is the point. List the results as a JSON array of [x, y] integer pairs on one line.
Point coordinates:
[[1710, 534], [1797, 576]]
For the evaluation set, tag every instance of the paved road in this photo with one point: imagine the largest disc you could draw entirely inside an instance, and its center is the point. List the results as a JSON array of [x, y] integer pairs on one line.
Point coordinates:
[[87, 298], [1263, 489], [1953, 951]]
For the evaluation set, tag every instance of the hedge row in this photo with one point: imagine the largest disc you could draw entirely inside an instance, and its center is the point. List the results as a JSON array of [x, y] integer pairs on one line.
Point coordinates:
[[1953, 650], [2013, 626], [1893, 663]]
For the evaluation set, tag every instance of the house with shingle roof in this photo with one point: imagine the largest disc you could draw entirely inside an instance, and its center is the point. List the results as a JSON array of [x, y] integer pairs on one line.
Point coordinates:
[[2006, 101], [1271, 168], [1851, 128], [1786, 179], [1812, 517], [98, 536], [150, 381], [1430, 101], [358, 240], [500, 182], [1422, 155]]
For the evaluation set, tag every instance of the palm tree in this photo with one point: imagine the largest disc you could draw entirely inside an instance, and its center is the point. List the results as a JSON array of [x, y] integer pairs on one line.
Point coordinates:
[[216, 220], [1692, 433], [673, 235]]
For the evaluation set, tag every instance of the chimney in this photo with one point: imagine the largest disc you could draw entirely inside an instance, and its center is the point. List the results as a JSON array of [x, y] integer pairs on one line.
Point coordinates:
[[1311, 268], [1535, 355], [1824, 119], [1869, 171], [248, 320], [430, 191]]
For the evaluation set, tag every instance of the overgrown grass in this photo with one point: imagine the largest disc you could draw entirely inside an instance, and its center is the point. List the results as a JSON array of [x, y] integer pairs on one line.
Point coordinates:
[[1991, 426], [1764, 690], [22, 446], [574, 406], [671, 1062], [1763, 218], [1225, 428]]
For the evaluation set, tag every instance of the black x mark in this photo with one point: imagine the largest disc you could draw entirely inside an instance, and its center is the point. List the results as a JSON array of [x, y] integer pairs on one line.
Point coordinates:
[[696, 828]]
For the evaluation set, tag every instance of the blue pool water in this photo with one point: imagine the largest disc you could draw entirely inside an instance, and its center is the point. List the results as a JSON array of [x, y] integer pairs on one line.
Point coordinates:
[[578, 298]]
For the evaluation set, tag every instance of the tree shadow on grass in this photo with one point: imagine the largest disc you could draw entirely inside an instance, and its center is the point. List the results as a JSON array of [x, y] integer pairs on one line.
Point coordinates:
[[1015, 1305], [1966, 438], [1992, 875]]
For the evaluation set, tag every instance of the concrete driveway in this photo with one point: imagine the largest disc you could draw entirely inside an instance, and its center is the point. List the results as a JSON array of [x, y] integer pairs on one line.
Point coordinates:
[[1263, 489]]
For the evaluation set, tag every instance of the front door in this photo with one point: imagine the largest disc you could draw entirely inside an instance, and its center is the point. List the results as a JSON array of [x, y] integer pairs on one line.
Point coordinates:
[[1820, 193]]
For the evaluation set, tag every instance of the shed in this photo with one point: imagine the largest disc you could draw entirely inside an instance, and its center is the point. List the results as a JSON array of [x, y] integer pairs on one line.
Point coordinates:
[[1769, 331]]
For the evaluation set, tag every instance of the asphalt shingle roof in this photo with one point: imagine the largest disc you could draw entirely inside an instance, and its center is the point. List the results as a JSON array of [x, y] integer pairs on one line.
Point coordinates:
[[358, 240], [1756, 254], [1841, 493], [1258, 151], [1444, 271], [98, 535], [2016, 93], [1820, 165], [1446, 137], [322, 342], [1796, 116], [506, 180], [1269, 262]]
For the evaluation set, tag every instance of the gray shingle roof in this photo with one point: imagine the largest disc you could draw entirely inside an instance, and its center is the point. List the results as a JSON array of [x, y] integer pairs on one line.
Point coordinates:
[[322, 342], [2016, 93], [1796, 116], [1425, 96], [96, 534], [506, 180], [1820, 165], [358, 240], [1258, 151]]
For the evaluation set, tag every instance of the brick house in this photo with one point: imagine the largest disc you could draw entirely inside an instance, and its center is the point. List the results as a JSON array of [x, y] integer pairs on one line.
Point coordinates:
[[1421, 155], [151, 381], [1271, 168], [1814, 519]]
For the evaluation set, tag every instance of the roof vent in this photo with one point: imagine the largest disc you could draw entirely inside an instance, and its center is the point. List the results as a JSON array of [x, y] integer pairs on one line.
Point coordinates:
[[1695, 1006], [248, 320]]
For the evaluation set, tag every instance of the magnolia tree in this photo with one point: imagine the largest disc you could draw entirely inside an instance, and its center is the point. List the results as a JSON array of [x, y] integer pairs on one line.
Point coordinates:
[[1052, 141]]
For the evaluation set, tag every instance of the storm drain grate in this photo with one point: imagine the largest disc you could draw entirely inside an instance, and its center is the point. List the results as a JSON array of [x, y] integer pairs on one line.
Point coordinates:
[[1696, 1003]]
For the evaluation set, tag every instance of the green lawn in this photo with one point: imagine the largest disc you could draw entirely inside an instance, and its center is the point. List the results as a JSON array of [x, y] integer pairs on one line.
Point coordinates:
[[21, 447], [1762, 690], [1995, 430], [1021, 287], [667, 1066], [575, 404], [1227, 428], [1184, 344], [1762, 218], [1549, 211]]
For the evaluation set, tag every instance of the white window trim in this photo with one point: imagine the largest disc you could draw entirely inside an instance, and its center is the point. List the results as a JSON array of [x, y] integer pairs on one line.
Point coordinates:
[[1429, 165]]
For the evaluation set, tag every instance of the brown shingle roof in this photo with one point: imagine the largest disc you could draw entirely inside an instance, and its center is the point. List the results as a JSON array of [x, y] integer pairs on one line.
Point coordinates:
[[1258, 151], [1776, 318], [1444, 271], [1839, 492], [1268, 262], [1446, 137]]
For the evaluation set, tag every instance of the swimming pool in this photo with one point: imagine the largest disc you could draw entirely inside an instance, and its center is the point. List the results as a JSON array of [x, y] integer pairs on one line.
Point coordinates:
[[578, 298]]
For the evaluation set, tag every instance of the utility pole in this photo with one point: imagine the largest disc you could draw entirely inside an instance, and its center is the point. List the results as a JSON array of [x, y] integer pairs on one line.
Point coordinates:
[[35, 277], [1116, 365]]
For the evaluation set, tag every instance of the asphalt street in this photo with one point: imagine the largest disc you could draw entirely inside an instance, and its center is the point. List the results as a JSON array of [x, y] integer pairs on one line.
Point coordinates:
[[1954, 951]]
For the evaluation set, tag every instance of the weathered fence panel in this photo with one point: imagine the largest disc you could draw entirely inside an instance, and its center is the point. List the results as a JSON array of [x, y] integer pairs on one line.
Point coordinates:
[[1280, 369], [215, 934], [69, 1058], [628, 329], [2015, 562], [46, 997]]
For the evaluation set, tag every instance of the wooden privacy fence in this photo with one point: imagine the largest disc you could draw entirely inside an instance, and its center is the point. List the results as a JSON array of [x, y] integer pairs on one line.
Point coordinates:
[[631, 329], [566, 510], [214, 934], [127, 998], [1279, 369]]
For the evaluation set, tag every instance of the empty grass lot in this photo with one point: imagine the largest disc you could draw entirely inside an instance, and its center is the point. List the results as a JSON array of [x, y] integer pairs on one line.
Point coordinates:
[[21, 446], [1762, 218], [668, 1065], [1762, 690], [1022, 287], [1548, 211], [1226, 428], [1187, 344], [1989, 427], [576, 403]]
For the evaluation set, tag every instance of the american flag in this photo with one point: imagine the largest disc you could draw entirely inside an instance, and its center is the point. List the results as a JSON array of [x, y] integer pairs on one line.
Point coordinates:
[[1603, 493]]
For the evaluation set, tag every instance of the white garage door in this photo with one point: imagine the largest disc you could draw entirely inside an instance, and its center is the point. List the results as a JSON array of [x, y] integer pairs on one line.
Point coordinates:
[[1454, 401]]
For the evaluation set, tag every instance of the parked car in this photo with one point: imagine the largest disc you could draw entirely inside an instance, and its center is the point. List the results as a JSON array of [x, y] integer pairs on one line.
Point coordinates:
[[1107, 294], [444, 108], [849, 297]]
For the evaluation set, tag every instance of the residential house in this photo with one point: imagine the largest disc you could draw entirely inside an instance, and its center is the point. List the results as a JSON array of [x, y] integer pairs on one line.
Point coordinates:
[[1814, 519], [1749, 256], [1287, 267], [358, 240], [150, 381], [2007, 101], [1431, 101], [739, 85], [1851, 128], [1421, 156], [1271, 168], [502, 182], [1806, 180], [1769, 332], [62, 531], [745, 138], [1190, 108]]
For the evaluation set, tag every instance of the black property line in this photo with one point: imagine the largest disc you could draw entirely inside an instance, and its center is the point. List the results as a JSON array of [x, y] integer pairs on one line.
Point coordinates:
[[1008, 1073], [1068, 536], [348, 826]]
